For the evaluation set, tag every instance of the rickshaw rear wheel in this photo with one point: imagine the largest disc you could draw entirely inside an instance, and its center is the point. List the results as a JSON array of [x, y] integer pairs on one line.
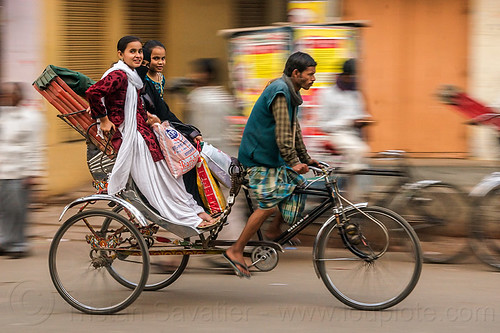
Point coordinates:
[[81, 252]]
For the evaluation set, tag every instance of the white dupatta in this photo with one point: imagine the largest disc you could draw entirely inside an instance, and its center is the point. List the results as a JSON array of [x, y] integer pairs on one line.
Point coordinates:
[[121, 169]]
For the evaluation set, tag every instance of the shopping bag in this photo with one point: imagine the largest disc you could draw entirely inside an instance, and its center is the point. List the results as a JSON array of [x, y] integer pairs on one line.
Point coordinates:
[[180, 155], [218, 162], [210, 192]]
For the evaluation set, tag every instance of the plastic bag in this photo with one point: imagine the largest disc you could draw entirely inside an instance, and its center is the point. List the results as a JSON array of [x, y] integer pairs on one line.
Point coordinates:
[[180, 155], [210, 192], [218, 162]]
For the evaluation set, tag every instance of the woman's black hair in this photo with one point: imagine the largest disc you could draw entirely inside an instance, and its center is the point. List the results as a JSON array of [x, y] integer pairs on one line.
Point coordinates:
[[298, 60], [124, 41], [148, 48]]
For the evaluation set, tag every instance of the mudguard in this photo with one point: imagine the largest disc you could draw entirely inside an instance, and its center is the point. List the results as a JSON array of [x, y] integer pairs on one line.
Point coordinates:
[[485, 185], [105, 197], [421, 184], [142, 214], [326, 225]]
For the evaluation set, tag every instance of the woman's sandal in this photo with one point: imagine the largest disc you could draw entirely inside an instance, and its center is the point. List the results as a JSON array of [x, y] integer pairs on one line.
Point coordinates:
[[208, 224]]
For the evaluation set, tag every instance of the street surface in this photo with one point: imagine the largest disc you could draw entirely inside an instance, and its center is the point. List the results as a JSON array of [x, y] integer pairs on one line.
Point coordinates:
[[207, 298]]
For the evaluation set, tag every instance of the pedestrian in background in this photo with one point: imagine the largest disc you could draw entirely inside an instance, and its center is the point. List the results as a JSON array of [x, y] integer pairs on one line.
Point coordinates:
[[341, 115], [208, 104], [21, 144]]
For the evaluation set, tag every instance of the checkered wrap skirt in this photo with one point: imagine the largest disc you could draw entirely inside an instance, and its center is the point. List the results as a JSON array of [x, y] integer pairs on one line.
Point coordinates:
[[274, 187]]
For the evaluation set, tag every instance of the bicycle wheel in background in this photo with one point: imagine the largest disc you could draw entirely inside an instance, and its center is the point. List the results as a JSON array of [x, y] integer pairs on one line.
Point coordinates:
[[439, 213], [164, 269], [372, 262], [485, 228], [82, 250]]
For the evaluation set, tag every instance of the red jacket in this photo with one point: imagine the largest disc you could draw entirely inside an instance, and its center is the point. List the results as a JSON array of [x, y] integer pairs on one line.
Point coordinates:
[[113, 88]]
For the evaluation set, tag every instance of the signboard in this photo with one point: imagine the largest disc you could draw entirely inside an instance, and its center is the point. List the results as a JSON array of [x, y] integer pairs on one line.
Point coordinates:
[[258, 56], [255, 58], [309, 11]]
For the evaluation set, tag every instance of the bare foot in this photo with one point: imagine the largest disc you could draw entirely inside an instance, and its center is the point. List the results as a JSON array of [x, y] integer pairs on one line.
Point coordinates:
[[237, 258]]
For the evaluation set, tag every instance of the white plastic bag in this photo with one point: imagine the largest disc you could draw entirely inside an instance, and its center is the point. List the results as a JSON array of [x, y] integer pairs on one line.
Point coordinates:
[[180, 155], [218, 162]]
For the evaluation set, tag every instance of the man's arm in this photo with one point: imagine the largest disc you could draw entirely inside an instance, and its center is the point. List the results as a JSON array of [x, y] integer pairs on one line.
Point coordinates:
[[284, 135], [300, 147]]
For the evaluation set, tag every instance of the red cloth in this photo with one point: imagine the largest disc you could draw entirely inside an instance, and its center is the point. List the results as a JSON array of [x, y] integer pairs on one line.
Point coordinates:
[[113, 88]]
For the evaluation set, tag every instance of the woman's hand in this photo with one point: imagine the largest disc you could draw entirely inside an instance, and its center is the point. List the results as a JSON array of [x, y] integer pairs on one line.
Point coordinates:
[[198, 139], [152, 119], [107, 127]]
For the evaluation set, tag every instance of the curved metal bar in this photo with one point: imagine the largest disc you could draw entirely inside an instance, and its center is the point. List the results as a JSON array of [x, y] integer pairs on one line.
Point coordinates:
[[421, 184], [487, 184], [325, 225], [105, 197]]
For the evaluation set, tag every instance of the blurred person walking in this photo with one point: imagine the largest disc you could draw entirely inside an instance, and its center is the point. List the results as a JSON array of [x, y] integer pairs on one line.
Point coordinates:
[[209, 104], [274, 153], [341, 115], [21, 144]]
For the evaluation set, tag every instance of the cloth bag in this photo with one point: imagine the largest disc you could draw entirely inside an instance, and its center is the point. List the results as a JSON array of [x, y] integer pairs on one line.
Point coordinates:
[[218, 162], [180, 155], [210, 191]]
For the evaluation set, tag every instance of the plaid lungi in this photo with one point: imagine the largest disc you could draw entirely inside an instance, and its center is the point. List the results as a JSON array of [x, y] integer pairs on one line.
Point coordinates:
[[274, 186]]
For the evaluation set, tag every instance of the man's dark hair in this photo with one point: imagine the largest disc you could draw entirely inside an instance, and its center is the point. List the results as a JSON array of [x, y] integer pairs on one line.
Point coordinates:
[[14, 90], [300, 61], [209, 66], [349, 67]]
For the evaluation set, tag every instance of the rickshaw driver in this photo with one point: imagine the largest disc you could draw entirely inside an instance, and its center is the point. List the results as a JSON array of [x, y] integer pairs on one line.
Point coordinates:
[[273, 151]]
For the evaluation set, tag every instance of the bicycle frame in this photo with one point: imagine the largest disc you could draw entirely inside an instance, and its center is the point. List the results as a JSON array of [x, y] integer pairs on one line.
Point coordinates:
[[331, 201]]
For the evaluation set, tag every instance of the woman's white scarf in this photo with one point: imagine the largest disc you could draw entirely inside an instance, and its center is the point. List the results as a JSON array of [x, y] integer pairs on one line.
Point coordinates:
[[121, 169]]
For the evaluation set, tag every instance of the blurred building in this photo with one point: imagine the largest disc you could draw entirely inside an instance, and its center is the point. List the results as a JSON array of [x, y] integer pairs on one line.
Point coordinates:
[[410, 49]]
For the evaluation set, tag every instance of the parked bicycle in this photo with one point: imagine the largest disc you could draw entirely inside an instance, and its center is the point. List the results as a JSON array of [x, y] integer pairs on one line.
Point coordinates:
[[437, 211]]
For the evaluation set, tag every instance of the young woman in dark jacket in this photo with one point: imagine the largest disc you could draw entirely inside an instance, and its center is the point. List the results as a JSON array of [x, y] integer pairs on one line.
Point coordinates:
[[152, 96]]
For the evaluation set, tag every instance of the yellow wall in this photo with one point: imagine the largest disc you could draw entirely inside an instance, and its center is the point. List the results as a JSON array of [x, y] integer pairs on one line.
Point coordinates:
[[190, 33], [66, 162], [191, 28]]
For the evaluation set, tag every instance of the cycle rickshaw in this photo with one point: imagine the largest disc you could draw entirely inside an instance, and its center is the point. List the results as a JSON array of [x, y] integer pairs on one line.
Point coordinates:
[[106, 254]]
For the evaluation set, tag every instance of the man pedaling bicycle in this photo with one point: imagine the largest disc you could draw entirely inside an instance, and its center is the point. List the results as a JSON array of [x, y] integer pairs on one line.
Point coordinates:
[[273, 151]]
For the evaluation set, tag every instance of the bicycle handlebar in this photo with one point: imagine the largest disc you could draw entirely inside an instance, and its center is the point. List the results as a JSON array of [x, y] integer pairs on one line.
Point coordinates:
[[324, 169], [484, 118]]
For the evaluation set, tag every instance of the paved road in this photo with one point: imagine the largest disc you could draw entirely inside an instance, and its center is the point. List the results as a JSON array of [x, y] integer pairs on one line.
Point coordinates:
[[448, 298]]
